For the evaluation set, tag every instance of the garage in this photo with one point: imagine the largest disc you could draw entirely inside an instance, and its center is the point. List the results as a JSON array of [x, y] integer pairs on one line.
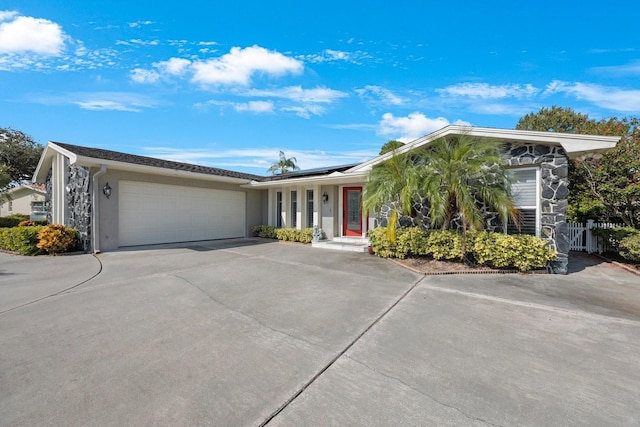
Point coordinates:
[[158, 213]]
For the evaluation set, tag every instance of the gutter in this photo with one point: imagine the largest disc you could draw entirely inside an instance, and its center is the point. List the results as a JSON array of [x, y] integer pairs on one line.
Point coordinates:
[[95, 237]]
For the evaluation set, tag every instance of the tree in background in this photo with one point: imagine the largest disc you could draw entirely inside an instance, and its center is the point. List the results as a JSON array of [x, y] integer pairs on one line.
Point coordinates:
[[600, 187], [390, 146], [19, 157], [284, 165]]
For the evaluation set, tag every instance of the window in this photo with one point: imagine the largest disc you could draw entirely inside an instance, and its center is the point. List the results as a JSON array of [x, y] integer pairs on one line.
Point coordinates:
[[279, 209], [525, 198], [309, 208], [294, 209], [38, 208]]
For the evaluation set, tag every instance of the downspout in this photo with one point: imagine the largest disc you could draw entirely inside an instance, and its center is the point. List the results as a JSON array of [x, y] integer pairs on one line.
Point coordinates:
[[95, 208]]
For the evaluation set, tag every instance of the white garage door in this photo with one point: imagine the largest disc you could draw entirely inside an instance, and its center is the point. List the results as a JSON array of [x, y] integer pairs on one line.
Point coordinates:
[[158, 213]]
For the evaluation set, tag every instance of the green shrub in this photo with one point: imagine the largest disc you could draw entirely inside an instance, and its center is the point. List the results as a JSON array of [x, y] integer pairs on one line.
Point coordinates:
[[496, 250], [56, 238], [8, 222], [19, 216], [614, 235], [306, 235], [286, 234], [629, 247], [411, 241], [40, 222], [23, 240], [381, 244], [444, 244], [522, 251], [265, 231]]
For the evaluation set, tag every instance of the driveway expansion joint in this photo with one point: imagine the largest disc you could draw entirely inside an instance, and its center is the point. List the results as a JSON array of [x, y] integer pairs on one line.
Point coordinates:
[[340, 354]]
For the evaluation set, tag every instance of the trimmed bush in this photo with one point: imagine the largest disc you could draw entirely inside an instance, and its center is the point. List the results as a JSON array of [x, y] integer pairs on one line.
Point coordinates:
[[522, 251], [286, 234], [23, 240], [381, 244], [496, 250], [629, 247], [265, 231], [56, 238], [444, 244], [8, 222]]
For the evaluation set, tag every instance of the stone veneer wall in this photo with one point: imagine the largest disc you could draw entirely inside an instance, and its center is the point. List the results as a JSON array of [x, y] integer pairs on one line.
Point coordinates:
[[554, 171], [79, 203], [553, 164]]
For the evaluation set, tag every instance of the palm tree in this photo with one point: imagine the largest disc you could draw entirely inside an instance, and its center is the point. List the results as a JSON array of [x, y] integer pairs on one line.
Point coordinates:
[[284, 165], [459, 173], [392, 183]]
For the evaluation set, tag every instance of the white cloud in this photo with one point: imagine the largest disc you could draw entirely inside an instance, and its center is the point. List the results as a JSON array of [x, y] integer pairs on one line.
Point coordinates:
[[6, 15], [255, 106], [306, 111], [140, 75], [380, 95], [487, 91], [330, 55], [22, 34], [297, 93], [139, 24], [239, 65], [100, 101], [173, 66], [413, 126], [610, 97], [102, 105]]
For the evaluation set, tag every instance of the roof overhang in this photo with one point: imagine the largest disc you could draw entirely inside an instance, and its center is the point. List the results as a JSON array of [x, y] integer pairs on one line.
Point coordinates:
[[575, 145], [335, 178], [52, 149]]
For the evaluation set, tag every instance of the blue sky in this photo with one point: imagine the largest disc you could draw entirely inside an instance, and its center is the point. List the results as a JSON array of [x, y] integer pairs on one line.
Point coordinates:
[[229, 85]]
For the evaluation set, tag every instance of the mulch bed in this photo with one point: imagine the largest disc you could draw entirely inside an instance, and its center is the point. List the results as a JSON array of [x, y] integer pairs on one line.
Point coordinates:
[[430, 266]]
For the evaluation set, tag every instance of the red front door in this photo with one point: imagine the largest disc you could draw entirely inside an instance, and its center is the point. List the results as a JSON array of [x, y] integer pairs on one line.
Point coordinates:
[[352, 211]]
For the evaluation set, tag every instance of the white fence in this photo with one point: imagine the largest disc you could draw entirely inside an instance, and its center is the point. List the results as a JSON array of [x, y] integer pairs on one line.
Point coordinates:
[[581, 237]]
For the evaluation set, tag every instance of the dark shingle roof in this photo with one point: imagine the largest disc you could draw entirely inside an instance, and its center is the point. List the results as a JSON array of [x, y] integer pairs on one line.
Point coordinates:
[[310, 172], [98, 153]]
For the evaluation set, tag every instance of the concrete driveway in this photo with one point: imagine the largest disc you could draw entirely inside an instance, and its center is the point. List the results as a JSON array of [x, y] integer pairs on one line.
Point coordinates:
[[250, 332]]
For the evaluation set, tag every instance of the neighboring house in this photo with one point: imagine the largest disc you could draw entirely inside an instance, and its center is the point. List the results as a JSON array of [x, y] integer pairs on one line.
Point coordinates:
[[118, 199], [26, 199]]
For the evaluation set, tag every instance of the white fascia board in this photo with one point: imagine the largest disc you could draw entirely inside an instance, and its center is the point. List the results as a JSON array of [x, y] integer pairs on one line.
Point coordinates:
[[334, 178], [574, 144], [44, 164]]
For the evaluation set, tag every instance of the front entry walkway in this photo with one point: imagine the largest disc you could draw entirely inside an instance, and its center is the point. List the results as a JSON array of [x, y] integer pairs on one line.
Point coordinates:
[[349, 244]]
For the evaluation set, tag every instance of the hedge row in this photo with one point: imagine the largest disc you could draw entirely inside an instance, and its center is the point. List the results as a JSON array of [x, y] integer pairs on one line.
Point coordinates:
[[288, 234], [624, 240], [496, 250], [16, 219], [36, 240]]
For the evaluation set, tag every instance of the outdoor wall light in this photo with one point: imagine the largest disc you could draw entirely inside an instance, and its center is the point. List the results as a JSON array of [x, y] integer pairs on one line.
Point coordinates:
[[325, 197], [106, 190]]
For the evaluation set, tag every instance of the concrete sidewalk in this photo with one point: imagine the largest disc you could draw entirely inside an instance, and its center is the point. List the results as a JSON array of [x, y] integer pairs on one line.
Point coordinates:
[[252, 332]]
